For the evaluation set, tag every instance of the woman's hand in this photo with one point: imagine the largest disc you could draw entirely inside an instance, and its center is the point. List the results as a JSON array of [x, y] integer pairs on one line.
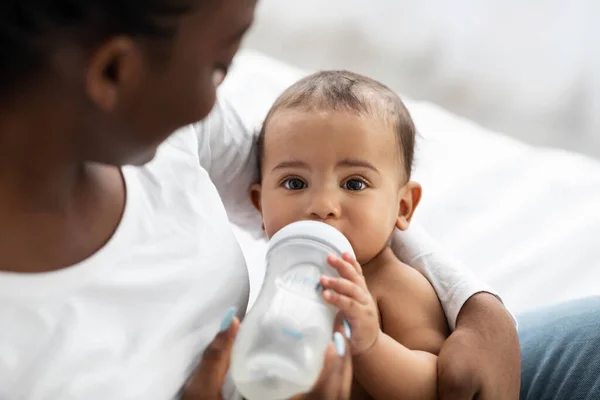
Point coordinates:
[[205, 383], [349, 293], [335, 382]]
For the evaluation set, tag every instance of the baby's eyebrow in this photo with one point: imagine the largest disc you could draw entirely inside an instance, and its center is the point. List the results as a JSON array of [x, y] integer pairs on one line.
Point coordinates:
[[355, 162], [291, 164]]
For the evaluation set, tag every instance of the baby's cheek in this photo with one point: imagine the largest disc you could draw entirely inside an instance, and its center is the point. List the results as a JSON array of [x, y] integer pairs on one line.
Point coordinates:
[[275, 217], [367, 248], [272, 224], [373, 233]]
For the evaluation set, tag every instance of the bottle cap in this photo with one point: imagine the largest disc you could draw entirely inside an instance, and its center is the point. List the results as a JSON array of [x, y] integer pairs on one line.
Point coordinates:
[[313, 230]]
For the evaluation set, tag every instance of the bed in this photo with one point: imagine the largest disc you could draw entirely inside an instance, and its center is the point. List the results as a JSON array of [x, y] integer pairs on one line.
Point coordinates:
[[525, 219]]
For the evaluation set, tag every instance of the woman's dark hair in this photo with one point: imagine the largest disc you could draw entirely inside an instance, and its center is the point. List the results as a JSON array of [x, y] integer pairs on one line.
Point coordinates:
[[30, 30]]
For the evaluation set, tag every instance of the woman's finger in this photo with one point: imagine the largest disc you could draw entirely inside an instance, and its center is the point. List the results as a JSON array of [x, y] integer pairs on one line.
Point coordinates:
[[341, 325], [347, 373], [336, 379], [207, 380], [346, 288]]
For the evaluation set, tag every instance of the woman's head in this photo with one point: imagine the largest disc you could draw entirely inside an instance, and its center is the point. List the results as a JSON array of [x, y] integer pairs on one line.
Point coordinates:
[[122, 74]]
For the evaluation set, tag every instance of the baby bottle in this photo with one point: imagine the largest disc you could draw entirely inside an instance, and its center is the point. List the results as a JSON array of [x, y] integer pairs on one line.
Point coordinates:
[[280, 348]]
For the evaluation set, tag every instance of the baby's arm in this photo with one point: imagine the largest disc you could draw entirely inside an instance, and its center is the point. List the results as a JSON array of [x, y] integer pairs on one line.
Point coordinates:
[[399, 361], [403, 362]]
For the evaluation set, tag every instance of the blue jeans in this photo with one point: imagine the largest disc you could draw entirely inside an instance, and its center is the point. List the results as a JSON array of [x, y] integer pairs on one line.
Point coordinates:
[[560, 352]]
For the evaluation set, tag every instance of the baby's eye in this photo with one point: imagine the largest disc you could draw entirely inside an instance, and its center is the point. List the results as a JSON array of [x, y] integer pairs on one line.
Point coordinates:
[[294, 184], [354, 184]]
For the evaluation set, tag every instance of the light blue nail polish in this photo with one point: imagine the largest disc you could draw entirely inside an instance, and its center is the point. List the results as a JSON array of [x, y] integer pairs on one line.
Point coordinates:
[[228, 319], [347, 330], [340, 344]]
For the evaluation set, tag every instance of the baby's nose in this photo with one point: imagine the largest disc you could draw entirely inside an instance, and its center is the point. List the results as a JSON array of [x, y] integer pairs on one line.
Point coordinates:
[[324, 207]]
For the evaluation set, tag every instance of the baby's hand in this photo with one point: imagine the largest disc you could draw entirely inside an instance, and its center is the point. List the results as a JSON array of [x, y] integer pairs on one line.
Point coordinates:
[[350, 295]]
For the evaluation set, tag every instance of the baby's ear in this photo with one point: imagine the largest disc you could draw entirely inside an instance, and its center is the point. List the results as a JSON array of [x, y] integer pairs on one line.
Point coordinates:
[[410, 196], [254, 193]]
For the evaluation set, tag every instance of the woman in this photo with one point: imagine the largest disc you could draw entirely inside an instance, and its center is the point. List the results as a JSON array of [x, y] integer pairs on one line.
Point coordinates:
[[116, 278]]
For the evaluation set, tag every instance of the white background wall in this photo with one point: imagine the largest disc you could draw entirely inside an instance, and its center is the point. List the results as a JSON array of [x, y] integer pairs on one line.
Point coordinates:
[[528, 68]]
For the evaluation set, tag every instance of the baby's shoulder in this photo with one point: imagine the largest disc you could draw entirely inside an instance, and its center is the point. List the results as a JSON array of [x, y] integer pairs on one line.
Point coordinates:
[[392, 279], [409, 308]]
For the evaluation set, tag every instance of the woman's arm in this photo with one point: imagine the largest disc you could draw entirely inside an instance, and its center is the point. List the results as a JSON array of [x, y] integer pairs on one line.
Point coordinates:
[[227, 138], [226, 147], [226, 150], [481, 357], [452, 281]]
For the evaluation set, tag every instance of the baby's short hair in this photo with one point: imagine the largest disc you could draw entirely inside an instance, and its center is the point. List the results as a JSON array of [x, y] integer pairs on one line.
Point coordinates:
[[348, 92]]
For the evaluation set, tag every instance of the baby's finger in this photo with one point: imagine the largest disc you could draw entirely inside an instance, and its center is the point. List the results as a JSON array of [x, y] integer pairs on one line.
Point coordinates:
[[345, 269], [348, 306], [346, 288], [353, 261]]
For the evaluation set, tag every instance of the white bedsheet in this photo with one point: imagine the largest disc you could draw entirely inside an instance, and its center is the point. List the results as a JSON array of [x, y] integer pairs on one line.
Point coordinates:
[[526, 219]]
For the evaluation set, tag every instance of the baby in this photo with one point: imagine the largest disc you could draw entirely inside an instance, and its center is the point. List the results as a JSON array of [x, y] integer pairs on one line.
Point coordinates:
[[338, 147]]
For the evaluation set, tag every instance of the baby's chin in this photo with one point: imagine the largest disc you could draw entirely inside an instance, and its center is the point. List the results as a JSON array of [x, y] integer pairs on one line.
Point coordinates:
[[364, 260], [364, 256], [370, 258]]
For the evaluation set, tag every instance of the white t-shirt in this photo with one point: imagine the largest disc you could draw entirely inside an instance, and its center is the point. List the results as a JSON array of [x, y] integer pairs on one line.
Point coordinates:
[[131, 321]]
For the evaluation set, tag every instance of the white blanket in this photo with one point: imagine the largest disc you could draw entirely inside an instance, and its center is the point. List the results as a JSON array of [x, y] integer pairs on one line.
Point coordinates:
[[526, 219]]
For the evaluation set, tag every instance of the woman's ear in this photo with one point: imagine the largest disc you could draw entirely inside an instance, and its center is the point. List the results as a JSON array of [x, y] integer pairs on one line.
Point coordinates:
[[112, 71], [410, 196]]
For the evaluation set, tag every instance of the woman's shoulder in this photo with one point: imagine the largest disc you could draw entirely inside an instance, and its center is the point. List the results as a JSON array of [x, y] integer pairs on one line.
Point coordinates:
[[174, 182]]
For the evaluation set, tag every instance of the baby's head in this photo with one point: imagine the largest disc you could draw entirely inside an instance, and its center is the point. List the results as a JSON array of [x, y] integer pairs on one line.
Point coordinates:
[[338, 147]]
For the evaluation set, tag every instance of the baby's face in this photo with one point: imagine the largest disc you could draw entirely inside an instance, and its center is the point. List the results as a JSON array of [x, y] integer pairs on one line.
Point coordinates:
[[334, 167]]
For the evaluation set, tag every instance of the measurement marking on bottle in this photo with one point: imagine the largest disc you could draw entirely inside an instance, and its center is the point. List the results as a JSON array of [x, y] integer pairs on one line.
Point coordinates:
[[290, 332]]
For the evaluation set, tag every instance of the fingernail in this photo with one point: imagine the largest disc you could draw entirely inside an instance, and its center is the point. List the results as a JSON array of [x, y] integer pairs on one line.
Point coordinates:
[[228, 319], [347, 330], [340, 344]]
